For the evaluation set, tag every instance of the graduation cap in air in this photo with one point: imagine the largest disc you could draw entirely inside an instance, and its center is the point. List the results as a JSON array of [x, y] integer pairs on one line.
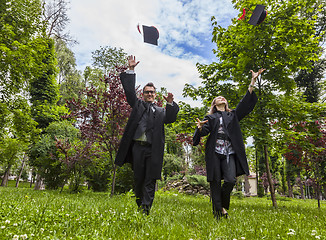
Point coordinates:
[[257, 17], [150, 34]]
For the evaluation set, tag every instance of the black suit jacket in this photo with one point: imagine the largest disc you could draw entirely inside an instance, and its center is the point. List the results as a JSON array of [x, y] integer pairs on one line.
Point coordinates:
[[231, 121], [162, 116]]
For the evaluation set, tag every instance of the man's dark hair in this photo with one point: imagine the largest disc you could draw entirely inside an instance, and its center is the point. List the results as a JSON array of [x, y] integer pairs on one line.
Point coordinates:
[[150, 84]]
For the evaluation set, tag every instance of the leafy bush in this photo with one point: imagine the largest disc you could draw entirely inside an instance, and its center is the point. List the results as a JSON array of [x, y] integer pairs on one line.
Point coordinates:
[[237, 194], [44, 155], [198, 180], [171, 164], [260, 191], [124, 179]]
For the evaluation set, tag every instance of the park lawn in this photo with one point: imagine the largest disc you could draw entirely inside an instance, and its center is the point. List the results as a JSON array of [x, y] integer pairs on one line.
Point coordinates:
[[29, 214]]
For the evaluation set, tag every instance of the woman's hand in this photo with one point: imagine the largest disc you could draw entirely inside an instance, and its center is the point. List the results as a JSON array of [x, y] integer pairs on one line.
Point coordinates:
[[200, 124], [254, 76]]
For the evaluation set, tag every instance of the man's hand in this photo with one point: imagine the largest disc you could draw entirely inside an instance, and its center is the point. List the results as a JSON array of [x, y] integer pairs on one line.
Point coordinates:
[[200, 124], [169, 98], [132, 62]]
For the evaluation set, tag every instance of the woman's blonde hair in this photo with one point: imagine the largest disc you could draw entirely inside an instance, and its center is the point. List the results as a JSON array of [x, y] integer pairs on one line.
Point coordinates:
[[213, 106]]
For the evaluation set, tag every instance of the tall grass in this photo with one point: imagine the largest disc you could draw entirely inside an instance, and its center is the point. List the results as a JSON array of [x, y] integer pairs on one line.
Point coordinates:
[[29, 214]]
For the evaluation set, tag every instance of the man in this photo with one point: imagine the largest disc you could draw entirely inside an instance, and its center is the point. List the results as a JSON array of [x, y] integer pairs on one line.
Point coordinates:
[[142, 143]]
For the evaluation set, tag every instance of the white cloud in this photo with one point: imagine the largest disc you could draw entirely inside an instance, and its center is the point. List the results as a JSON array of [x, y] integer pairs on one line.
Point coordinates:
[[185, 33]]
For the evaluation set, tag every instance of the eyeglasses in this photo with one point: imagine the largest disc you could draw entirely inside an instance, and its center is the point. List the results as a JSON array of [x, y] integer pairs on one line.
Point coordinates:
[[149, 92]]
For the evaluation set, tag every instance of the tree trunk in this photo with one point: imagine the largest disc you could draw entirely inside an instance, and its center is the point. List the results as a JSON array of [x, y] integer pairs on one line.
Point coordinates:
[[113, 179], [246, 185], [21, 170], [289, 187], [257, 177], [38, 182], [4, 182], [301, 186], [318, 194], [271, 186], [32, 178], [317, 182]]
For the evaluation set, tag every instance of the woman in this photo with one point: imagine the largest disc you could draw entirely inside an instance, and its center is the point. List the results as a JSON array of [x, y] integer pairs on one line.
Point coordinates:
[[225, 151]]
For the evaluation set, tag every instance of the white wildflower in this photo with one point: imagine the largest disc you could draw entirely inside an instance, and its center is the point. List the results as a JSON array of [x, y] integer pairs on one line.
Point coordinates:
[[23, 236], [15, 224], [15, 237], [318, 237], [42, 229], [7, 221], [243, 238], [3, 227]]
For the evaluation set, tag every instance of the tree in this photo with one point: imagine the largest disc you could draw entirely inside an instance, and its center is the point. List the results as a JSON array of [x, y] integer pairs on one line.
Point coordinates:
[[19, 130], [56, 19], [307, 151], [69, 78], [20, 26], [184, 128], [101, 119], [283, 44], [310, 81], [10, 149], [108, 58], [44, 90], [20, 29], [44, 155]]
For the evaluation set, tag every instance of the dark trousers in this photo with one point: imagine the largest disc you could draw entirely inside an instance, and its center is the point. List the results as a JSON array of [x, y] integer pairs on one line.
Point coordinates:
[[144, 186], [220, 195]]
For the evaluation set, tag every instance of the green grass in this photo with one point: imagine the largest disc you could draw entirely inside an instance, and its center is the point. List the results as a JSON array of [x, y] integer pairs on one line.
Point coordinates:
[[22, 184], [88, 215]]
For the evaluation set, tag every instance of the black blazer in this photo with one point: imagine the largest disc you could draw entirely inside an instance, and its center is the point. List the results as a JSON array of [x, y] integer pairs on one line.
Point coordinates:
[[162, 116], [231, 121]]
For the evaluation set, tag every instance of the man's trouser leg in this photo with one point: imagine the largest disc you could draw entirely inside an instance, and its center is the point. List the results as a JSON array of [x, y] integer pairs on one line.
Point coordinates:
[[144, 186]]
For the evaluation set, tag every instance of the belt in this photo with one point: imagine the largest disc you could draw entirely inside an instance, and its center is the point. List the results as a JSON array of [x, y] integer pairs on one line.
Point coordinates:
[[223, 136], [143, 143]]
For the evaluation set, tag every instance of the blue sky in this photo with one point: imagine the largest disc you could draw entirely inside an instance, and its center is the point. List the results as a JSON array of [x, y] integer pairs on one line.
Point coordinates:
[[185, 36]]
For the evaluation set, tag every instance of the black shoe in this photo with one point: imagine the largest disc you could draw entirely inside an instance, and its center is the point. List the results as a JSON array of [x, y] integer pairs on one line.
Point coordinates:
[[145, 209], [217, 215]]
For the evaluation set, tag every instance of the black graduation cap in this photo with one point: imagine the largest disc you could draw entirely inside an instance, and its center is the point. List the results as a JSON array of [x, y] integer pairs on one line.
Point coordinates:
[[150, 34], [258, 16]]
